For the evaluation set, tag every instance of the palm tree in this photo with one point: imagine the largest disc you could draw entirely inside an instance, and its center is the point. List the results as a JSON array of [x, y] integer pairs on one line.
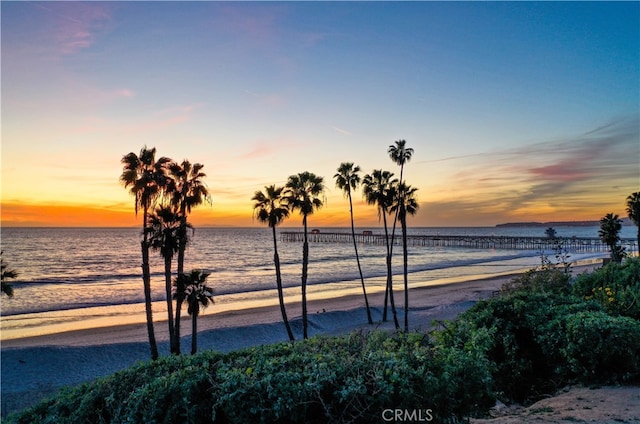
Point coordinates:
[[405, 203], [633, 211], [271, 208], [164, 229], [399, 154], [187, 191], [303, 193], [378, 190], [551, 233], [347, 178], [198, 296], [7, 274], [610, 226], [146, 177]]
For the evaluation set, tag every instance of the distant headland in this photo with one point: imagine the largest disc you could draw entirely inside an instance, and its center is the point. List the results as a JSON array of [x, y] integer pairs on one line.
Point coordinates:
[[625, 222]]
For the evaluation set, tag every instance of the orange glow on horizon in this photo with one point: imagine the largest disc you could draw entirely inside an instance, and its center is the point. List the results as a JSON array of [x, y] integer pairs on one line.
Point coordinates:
[[51, 215], [60, 215]]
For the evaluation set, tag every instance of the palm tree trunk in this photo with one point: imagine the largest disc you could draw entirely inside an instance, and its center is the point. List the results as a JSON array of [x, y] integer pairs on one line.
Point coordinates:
[[276, 261], [194, 333], [386, 290], [390, 277], [176, 339], [355, 247], [183, 229], [405, 260], [395, 218], [390, 249], [305, 264], [167, 282], [146, 282]]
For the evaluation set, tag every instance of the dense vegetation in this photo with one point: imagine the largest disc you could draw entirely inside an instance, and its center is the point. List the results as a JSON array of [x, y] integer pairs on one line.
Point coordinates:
[[340, 379], [544, 332]]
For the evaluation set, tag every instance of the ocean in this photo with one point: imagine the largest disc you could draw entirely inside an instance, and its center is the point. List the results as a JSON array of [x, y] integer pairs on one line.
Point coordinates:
[[72, 278]]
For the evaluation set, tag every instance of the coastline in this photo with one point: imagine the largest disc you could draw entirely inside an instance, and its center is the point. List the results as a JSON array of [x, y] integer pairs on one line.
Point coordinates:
[[56, 321], [36, 367]]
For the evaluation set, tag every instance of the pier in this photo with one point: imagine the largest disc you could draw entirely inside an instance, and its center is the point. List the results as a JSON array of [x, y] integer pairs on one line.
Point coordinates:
[[573, 244]]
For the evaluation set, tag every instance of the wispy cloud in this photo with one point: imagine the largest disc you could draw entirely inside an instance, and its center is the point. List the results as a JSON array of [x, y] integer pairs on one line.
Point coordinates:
[[551, 177], [267, 148], [75, 25], [340, 130], [259, 149]]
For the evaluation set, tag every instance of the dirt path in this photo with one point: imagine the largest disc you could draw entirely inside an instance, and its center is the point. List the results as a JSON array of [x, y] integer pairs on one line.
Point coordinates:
[[575, 405]]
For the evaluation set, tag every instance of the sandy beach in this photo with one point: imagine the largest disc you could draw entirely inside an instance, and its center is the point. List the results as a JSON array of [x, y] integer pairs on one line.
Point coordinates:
[[35, 367]]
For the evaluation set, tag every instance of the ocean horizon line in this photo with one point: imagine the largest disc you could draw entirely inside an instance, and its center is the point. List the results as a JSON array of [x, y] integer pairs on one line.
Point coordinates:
[[346, 227]]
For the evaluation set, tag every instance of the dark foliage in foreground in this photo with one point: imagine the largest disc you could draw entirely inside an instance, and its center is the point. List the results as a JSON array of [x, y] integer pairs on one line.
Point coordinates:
[[540, 335], [545, 333], [615, 286], [341, 379], [543, 341]]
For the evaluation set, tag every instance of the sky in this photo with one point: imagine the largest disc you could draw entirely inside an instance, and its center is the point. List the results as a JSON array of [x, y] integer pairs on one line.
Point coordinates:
[[516, 111]]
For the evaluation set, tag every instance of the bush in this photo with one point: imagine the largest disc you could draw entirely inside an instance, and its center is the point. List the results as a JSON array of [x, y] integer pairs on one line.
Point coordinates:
[[541, 340], [540, 280], [526, 337], [615, 286], [522, 345], [133, 395], [352, 379], [339, 379], [602, 348]]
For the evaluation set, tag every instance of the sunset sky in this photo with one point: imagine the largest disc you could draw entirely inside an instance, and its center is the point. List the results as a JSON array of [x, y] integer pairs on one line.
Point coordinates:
[[516, 111]]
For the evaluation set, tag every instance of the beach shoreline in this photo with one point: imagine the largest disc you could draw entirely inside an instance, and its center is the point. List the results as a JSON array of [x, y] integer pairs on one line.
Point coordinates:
[[36, 367]]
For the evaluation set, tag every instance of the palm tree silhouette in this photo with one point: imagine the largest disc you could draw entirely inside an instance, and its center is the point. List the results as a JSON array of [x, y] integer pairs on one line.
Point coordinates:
[[198, 296], [271, 209], [633, 211], [377, 189], [399, 154], [303, 193], [405, 203], [146, 178], [164, 236], [7, 274], [187, 191], [609, 233], [347, 179]]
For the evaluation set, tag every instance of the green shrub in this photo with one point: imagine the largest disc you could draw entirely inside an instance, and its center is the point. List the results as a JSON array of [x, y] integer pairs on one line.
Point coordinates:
[[527, 332], [133, 395], [530, 341], [324, 379], [615, 286], [540, 280], [602, 348], [353, 379]]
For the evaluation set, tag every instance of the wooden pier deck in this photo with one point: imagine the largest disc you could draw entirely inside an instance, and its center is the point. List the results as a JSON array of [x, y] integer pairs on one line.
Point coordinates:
[[573, 244]]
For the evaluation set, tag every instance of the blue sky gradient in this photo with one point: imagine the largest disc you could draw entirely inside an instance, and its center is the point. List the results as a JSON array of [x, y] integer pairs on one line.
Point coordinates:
[[516, 110]]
